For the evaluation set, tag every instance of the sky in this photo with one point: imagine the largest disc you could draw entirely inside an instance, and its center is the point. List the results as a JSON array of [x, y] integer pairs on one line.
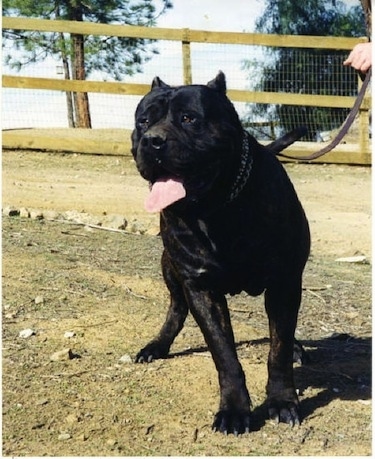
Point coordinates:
[[211, 15], [23, 108], [218, 15]]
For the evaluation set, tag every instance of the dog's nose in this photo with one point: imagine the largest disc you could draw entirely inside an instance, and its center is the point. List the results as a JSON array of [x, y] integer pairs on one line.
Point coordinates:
[[156, 142]]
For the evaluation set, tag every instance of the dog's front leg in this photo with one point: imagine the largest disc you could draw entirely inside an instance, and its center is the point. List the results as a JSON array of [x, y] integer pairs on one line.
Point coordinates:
[[177, 312], [210, 311], [282, 304]]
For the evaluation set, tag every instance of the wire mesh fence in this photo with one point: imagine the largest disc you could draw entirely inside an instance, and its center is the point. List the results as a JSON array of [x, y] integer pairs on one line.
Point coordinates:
[[299, 71], [247, 67]]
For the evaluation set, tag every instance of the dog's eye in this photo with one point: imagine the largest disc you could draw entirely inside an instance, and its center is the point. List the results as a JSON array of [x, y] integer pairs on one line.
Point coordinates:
[[143, 123], [188, 119]]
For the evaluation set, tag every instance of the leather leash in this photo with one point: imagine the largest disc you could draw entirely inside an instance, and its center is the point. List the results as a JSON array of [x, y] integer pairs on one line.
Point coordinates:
[[344, 128]]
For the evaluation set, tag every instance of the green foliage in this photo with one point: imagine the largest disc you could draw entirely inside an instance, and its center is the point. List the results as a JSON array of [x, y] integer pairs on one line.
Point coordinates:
[[305, 71], [311, 17], [115, 56]]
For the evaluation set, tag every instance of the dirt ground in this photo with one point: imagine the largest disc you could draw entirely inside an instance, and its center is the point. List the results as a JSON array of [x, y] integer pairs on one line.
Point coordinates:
[[64, 270]]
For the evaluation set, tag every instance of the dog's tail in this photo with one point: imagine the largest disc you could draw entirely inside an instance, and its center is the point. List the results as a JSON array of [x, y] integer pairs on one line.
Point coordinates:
[[283, 142]]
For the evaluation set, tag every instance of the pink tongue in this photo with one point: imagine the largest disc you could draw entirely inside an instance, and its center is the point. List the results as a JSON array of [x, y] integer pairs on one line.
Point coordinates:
[[163, 193]]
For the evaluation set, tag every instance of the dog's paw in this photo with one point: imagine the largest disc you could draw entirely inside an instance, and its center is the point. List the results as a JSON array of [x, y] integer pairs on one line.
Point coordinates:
[[287, 412], [151, 352], [232, 421]]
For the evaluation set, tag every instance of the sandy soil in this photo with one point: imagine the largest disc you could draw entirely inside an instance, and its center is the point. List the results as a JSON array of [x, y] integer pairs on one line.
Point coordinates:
[[106, 288]]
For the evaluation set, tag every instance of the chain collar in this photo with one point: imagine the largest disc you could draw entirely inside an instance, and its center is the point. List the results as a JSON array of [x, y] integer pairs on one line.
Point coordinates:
[[244, 170]]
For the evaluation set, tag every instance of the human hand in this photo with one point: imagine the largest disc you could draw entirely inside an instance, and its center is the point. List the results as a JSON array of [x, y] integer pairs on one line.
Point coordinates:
[[360, 57]]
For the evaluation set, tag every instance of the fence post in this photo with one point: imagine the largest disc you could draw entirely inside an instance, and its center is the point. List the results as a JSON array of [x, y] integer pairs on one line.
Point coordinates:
[[186, 56], [364, 125]]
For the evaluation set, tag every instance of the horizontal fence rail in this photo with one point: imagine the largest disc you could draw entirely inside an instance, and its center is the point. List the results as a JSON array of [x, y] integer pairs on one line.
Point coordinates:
[[141, 89], [197, 36], [357, 153]]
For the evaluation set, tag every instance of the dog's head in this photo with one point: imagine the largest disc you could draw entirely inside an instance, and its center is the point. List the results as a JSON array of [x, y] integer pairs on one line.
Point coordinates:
[[187, 141]]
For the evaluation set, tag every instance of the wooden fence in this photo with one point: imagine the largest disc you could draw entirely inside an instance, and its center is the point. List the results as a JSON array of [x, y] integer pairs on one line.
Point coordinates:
[[355, 153]]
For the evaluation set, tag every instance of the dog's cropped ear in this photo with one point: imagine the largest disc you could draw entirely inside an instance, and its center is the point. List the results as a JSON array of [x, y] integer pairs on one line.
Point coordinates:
[[218, 83], [158, 83]]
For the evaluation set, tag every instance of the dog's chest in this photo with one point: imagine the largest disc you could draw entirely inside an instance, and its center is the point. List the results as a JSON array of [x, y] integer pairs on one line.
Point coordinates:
[[222, 254], [211, 245], [204, 230]]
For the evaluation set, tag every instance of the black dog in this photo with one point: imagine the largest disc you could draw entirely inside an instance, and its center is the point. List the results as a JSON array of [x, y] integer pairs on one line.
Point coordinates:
[[230, 222]]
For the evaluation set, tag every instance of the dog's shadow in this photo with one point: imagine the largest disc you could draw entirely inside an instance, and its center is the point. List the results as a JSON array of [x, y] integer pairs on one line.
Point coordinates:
[[339, 368]]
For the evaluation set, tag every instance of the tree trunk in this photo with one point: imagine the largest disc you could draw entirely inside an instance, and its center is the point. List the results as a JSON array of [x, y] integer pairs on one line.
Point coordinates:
[[81, 100], [66, 69], [82, 109], [366, 5], [69, 96]]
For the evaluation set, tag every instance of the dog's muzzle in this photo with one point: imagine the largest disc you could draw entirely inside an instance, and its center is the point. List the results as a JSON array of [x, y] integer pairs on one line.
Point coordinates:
[[154, 141]]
